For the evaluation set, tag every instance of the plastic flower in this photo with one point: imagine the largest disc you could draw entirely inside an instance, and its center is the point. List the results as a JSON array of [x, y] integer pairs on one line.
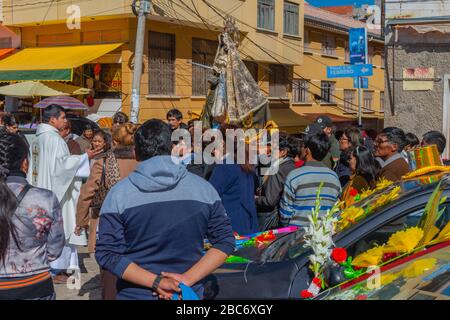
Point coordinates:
[[385, 199], [339, 255], [371, 257], [305, 294], [404, 241], [367, 192], [388, 278], [382, 184], [418, 267], [350, 216]]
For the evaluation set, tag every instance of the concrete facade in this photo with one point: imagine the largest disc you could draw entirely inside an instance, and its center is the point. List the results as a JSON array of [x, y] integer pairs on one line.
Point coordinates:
[[416, 111]]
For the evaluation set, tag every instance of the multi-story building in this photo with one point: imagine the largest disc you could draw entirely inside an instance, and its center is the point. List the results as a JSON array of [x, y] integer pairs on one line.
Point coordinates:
[[326, 44], [180, 36]]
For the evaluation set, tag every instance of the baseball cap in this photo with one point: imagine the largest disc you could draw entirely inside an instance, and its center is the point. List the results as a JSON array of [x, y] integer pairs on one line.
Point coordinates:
[[324, 122], [312, 130]]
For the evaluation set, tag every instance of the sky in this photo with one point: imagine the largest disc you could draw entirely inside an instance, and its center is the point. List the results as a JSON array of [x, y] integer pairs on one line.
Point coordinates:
[[322, 3]]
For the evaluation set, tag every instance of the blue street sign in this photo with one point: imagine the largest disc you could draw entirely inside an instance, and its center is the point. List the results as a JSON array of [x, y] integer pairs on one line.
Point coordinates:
[[350, 71], [358, 45], [364, 83]]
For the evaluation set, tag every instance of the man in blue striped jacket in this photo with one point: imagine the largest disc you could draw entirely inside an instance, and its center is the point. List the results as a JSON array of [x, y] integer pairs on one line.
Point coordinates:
[[300, 188]]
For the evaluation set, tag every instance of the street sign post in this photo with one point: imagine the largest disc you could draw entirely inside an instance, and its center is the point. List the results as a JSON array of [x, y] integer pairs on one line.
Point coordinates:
[[350, 71], [364, 83]]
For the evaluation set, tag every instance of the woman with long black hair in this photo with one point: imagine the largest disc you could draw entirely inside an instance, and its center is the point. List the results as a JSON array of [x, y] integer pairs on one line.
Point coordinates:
[[364, 171], [31, 228]]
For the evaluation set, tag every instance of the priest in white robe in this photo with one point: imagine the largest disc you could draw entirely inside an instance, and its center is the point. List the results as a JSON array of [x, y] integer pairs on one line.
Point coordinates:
[[53, 168]]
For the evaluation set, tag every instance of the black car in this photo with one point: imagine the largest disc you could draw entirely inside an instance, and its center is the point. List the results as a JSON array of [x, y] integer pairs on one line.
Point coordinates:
[[281, 271]]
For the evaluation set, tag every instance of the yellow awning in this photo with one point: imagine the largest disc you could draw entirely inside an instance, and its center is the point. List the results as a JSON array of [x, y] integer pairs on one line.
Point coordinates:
[[51, 63]]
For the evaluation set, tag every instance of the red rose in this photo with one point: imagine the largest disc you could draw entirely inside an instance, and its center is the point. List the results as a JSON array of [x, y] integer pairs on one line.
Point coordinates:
[[353, 192], [305, 294], [317, 282], [339, 255], [361, 297]]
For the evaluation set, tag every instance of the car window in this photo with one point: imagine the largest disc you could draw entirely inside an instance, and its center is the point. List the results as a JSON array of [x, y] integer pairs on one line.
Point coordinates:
[[382, 234], [425, 277]]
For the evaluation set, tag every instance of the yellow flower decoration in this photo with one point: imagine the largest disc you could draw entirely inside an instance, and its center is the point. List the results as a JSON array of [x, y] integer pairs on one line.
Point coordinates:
[[426, 170], [404, 241], [418, 267], [388, 278], [385, 199], [349, 216], [382, 184], [367, 192], [371, 257]]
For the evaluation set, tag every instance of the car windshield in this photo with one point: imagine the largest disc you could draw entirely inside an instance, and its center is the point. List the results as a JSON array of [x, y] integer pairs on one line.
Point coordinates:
[[425, 277], [292, 245]]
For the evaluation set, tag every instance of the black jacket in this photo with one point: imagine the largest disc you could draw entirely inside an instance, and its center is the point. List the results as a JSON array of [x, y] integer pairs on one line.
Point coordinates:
[[272, 187]]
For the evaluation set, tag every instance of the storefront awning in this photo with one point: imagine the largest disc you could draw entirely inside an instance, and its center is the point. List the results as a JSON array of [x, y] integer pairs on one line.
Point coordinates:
[[50, 64], [4, 52]]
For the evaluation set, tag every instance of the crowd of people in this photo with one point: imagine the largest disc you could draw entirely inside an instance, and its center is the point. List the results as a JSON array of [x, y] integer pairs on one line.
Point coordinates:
[[145, 216]]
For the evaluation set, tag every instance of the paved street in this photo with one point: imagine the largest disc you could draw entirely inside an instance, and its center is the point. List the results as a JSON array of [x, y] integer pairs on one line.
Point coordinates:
[[90, 280]]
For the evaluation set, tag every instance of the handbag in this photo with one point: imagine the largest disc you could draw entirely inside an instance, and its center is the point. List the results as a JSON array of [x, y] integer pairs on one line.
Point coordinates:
[[110, 176]]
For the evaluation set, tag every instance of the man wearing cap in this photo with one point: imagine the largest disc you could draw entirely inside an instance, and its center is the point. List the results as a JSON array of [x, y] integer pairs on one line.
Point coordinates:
[[326, 124]]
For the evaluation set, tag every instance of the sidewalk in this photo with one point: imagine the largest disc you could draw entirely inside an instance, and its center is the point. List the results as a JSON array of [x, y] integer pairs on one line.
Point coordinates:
[[89, 286]]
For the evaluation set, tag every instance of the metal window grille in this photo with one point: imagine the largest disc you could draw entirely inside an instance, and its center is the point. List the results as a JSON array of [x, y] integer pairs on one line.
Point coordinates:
[[291, 18], [329, 45], [278, 81], [203, 52], [368, 98], [349, 97], [266, 14], [370, 55], [327, 91], [161, 63], [300, 90], [306, 43]]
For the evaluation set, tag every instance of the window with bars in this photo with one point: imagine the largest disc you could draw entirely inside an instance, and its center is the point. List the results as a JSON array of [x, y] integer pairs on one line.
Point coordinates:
[[329, 45], [300, 91], [252, 68], [161, 63], [266, 14], [290, 18], [370, 55], [5, 42], [382, 101], [368, 98], [327, 91], [278, 81], [203, 52], [349, 100], [306, 41]]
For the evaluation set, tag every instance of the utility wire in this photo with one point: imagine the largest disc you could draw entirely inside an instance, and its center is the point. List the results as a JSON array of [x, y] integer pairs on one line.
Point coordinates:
[[270, 55]]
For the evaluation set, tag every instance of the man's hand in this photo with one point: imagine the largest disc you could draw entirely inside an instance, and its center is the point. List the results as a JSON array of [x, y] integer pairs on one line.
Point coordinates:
[[167, 287], [91, 153], [178, 277], [78, 230]]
